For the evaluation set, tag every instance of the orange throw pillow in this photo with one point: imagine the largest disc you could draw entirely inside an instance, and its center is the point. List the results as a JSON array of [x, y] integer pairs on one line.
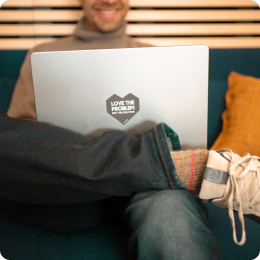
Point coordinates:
[[241, 119]]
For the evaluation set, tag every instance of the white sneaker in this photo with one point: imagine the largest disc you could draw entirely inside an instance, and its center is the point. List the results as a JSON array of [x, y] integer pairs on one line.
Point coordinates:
[[233, 182]]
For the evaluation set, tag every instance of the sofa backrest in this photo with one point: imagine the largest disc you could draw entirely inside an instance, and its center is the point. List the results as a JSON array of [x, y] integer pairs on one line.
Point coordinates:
[[10, 63]]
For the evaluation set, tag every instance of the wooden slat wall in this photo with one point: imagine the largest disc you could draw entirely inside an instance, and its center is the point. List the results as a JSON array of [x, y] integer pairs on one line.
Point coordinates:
[[217, 23], [138, 3]]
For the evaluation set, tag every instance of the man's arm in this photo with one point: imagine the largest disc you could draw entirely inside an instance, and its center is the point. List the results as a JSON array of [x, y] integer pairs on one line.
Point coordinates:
[[22, 103], [43, 164]]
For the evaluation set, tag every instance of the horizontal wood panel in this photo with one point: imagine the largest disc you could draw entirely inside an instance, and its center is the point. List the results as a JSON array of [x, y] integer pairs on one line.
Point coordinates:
[[221, 42], [16, 44], [135, 29], [134, 15], [40, 15], [16, 16], [58, 3], [18, 3], [193, 15], [58, 15], [193, 29], [212, 42], [193, 3], [22, 44], [16, 30], [140, 3]]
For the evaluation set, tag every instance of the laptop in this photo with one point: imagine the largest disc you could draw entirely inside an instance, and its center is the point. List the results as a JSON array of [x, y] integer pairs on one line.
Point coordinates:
[[94, 91]]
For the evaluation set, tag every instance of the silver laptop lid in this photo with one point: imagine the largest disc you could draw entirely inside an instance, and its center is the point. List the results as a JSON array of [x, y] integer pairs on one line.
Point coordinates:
[[93, 91]]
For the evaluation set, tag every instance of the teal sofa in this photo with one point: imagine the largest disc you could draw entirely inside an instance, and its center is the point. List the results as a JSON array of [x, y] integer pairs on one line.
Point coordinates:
[[88, 231]]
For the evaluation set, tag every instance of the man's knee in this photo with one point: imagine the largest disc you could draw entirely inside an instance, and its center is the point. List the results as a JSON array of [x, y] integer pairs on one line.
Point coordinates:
[[168, 220], [167, 205]]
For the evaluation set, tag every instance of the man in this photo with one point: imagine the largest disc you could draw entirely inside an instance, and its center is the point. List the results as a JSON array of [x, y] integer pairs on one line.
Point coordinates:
[[52, 166], [102, 27]]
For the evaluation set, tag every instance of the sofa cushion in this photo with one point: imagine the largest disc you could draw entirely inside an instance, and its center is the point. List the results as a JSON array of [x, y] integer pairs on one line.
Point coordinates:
[[22, 241], [241, 125], [65, 218]]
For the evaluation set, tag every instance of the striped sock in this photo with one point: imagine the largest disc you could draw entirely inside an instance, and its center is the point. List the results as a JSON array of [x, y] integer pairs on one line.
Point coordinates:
[[190, 167]]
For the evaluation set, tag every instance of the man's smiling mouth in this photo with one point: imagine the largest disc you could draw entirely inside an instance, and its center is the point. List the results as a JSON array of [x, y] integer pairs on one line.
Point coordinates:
[[107, 12]]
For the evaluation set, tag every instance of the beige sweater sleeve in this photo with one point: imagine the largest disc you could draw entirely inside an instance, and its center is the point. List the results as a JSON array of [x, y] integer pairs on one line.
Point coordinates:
[[22, 103]]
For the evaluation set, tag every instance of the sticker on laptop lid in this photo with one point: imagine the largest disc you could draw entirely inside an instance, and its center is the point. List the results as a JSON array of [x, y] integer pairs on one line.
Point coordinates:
[[123, 109]]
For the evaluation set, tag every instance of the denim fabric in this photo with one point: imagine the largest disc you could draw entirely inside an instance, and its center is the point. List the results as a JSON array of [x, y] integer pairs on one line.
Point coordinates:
[[168, 225], [46, 166]]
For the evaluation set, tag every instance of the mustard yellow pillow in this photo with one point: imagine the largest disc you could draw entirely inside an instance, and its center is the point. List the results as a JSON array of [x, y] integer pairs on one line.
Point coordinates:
[[241, 119]]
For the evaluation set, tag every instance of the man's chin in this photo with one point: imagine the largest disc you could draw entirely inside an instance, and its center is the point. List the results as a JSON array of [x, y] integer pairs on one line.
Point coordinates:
[[108, 28], [105, 26]]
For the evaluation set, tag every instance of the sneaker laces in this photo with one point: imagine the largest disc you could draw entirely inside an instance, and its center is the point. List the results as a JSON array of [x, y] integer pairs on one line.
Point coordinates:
[[233, 190]]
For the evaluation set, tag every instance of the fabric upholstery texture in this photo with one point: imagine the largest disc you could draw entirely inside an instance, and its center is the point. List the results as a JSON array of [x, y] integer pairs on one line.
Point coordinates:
[[6, 89], [241, 127], [10, 63], [22, 241]]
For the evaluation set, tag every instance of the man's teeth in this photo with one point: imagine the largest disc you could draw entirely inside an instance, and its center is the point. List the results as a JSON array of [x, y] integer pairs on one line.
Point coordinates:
[[108, 12]]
